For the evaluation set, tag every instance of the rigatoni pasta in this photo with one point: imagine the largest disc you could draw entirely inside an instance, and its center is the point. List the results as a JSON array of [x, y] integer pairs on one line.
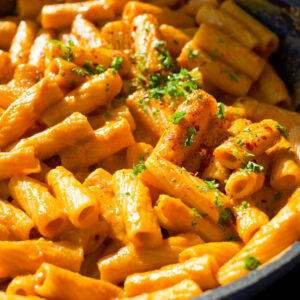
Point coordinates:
[[133, 162]]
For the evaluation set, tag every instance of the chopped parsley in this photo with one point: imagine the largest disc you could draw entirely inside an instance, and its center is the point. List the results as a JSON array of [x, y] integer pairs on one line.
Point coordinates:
[[225, 215], [92, 70], [177, 117], [251, 263], [218, 203], [246, 130], [253, 167], [247, 154], [210, 184], [143, 102], [122, 193], [212, 57], [244, 205], [194, 223], [282, 130], [220, 114], [192, 54], [277, 196], [196, 213], [139, 168], [190, 139], [155, 112], [235, 152], [164, 55], [117, 63], [231, 76]]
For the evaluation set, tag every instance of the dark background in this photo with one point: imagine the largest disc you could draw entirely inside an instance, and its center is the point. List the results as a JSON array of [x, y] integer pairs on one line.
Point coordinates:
[[286, 288]]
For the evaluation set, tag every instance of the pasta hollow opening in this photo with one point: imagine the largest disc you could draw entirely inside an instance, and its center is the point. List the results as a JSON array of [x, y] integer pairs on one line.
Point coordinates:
[[238, 186], [55, 225], [86, 213]]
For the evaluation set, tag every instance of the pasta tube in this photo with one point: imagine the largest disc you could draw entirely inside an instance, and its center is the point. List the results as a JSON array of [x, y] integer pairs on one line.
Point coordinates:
[[19, 258], [106, 141], [130, 259], [4, 192], [25, 76], [37, 51], [270, 88], [86, 98], [136, 208], [191, 190], [66, 74], [54, 139], [100, 57], [181, 291], [249, 221], [114, 162], [253, 141], [23, 112], [285, 171], [117, 34], [4, 296], [23, 40], [187, 132], [193, 6], [163, 15], [153, 115], [228, 50], [224, 21], [88, 239], [86, 32], [102, 118], [215, 170], [137, 153], [21, 161], [22, 285], [267, 41], [175, 38], [243, 183], [9, 94], [6, 67], [57, 283], [176, 217], [7, 32], [18, 225], [199, 269], [257, 111], [36, 200], [78, 201], [282, 231], [214, 71], [100, 183], [62, 15], [238, 126], [221, 251]]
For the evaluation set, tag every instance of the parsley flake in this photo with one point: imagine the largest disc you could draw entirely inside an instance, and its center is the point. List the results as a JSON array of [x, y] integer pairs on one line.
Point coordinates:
[[190, 139], [177, 117], [192, 54], [139, 168], [220, 114], [251, 263], [282, 130]]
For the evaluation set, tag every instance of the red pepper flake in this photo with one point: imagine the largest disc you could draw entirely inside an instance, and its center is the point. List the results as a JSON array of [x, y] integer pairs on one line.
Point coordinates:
[[249, 146]]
